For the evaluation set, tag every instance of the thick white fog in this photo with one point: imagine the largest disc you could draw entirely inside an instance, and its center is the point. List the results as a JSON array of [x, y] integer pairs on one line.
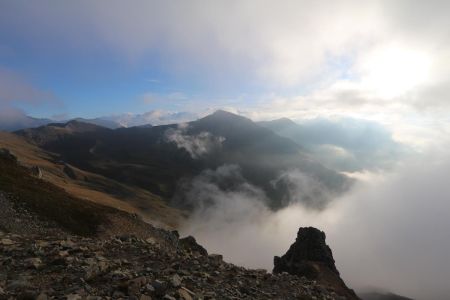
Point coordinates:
[[391, 231]]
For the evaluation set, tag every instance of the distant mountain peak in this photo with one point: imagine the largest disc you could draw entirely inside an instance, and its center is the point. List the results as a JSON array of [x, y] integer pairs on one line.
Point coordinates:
[[226, 116], [73, 126], [223, 112], [279, 123], [284, 120], [79, 125]]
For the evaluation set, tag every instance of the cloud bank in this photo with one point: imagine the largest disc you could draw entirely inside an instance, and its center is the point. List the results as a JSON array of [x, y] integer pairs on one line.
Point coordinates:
[[347, 144], [389, 232]]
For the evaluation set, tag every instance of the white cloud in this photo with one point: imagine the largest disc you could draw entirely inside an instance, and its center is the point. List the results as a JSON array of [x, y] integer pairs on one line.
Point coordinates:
[[196, 144], [282, 42], [301, 188], [16, 88]]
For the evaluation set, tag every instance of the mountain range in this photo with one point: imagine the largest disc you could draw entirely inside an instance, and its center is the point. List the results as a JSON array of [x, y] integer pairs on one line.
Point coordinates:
[[154, 117], [160, 158]]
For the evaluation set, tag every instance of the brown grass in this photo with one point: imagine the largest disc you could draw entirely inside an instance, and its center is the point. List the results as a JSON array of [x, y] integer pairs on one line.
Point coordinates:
[[93, 187]]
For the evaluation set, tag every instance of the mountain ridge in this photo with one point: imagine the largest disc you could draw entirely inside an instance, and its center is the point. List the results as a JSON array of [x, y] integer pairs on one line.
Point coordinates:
[[156, 158]]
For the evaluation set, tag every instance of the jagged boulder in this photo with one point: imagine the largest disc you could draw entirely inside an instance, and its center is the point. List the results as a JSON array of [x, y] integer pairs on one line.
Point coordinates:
[[311, 257], [309, 247], [190, 244]]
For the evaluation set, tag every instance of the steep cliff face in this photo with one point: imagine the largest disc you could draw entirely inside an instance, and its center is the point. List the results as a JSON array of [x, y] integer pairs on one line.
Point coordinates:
[[309, 256]]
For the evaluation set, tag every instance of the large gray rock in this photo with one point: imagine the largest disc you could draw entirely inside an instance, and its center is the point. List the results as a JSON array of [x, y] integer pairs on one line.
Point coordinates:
[[310, 256], [309, 247]]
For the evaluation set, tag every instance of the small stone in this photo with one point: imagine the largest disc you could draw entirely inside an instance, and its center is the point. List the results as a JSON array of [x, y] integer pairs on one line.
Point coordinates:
[[18, 285], [151, 241], [184, 295], [134, 285], [103, 266], [149, 288], [168, 297], [73, 297], [145, 297], [188, 290], [175, 281], [34, 262], [7, 242], [42, 296], [42, 244], [160, 287], [67, 244]]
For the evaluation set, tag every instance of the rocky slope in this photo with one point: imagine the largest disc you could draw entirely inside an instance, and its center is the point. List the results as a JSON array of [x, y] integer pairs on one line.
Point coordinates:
[[128, 267]]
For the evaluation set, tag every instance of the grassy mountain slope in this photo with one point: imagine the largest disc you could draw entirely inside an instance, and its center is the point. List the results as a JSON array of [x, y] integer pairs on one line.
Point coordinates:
[[90, 186]]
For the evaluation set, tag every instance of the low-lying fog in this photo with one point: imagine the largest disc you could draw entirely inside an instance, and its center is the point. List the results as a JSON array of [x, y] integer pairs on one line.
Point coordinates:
[[391, 231]]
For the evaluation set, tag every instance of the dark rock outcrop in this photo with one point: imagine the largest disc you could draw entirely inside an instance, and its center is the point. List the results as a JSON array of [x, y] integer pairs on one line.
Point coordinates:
[[190, 244], [309, 256], [36, 172], [309, 247]]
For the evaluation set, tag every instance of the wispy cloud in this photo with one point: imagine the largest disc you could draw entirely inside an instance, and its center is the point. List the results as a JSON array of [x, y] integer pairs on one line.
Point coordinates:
[[196, 144], [15, 88]]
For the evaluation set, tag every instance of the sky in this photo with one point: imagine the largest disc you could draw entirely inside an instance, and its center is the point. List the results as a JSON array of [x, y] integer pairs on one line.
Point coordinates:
[[386, 61]]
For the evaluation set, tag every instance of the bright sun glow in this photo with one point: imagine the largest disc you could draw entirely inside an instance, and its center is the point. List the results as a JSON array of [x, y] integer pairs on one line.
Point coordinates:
[[393, 71]]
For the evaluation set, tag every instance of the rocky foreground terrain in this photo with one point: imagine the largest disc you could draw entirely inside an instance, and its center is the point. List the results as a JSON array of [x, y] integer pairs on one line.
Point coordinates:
[[57, 246], [128, 267]]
